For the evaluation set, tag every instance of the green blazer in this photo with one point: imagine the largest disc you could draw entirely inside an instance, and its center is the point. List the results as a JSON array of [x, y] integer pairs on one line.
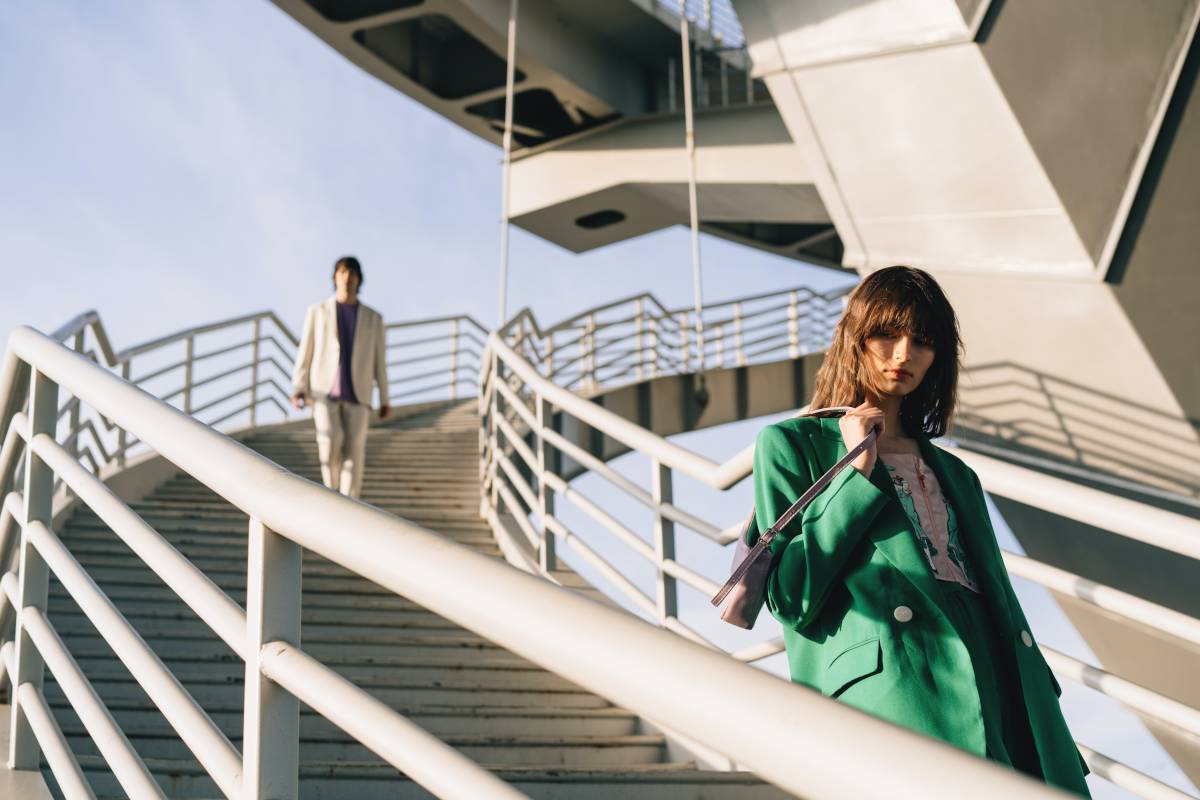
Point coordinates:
[[857, 602]]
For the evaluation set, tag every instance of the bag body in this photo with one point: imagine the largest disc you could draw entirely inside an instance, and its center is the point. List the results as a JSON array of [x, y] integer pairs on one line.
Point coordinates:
[[746, 588]]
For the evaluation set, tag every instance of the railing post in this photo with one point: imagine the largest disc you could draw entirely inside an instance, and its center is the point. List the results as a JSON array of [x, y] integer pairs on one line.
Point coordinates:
[[685, 331], [254, 373], [122, 437], [739, 351], [494, 435], [639, 338], [664, 540], [271, 719], [187, 374], [548, 361], [548, 558], [34, 582], [653, 325], [454, 359], [719, 334], [589, 351], [794, 324], [76, 409]]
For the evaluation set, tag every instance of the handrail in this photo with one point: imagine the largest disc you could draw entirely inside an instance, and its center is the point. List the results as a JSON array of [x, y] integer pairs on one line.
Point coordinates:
[[1168, 530], [765, 723], [517, 402]]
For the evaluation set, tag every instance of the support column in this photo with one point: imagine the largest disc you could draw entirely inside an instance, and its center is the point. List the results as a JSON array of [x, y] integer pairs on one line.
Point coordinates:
[[271, 734], [664, 541]]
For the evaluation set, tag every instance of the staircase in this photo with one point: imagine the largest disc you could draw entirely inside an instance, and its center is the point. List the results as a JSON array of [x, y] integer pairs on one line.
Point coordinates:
[[545, 735]]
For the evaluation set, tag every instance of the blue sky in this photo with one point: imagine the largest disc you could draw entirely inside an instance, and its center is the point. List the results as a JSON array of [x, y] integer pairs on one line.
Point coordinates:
[[173, 163]]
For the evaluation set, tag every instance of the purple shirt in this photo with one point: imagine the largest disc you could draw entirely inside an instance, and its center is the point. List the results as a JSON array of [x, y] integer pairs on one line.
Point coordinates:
[[347, 320]]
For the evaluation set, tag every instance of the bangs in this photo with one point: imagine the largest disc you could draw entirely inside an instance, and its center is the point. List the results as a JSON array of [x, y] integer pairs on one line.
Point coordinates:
[[905, 312]]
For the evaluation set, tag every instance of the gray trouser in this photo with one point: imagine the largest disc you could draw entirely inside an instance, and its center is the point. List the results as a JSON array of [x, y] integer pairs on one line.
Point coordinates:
[[342, 443]]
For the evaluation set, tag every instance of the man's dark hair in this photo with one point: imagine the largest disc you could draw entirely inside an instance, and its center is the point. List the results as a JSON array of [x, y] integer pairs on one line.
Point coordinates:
[[350, 263]]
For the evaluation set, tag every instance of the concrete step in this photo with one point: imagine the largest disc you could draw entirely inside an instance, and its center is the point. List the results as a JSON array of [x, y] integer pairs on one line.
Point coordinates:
[[123, 594], [236, 582], [372, 780], [232, 540], [323, 575], [439, 720], [173, 625], [414, 643], [213, 545], [575, 751], [492, 672], [163, 612], [209, 691]]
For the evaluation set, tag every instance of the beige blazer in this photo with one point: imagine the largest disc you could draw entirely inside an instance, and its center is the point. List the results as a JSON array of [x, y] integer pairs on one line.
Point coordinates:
[[317, 357]]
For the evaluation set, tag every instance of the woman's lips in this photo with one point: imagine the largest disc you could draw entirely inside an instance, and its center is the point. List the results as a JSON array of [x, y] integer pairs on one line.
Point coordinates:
[[900, 373]]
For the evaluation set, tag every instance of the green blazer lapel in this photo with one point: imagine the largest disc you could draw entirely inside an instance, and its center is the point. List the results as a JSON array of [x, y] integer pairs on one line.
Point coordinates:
[[973, 524], [892, 532]]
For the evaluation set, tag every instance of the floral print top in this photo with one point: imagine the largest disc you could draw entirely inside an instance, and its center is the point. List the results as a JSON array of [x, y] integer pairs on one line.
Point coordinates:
[[932, 517]]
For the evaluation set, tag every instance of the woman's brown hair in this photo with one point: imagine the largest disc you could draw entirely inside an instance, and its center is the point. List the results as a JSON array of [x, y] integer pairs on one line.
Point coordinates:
[[902, 300]]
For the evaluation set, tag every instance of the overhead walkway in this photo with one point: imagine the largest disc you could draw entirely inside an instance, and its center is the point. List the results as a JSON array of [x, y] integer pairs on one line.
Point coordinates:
[[199, 619]]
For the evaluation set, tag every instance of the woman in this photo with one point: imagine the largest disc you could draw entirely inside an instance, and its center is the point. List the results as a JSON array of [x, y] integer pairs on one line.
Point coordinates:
[[890, 586]]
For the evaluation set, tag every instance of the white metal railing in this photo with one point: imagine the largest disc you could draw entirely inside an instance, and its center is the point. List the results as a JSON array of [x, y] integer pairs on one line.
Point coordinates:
[[762, 722], [525, 406], [226, 372], [636, 338]]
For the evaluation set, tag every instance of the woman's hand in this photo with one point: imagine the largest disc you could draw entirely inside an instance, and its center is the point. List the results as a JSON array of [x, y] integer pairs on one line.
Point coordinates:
[[855, 426]]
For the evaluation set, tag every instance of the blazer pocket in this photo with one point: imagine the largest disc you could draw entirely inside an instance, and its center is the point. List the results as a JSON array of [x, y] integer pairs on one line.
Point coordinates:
[[859, 661]]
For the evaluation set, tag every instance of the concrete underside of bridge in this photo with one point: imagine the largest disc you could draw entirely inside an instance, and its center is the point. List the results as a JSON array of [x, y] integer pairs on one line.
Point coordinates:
[[1040, 158]]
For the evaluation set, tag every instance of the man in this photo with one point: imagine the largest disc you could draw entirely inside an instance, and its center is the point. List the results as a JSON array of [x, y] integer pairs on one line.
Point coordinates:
[[340, 358]]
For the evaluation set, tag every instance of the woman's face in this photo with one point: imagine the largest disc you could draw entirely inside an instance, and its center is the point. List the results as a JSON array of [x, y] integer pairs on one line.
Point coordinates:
[[898, 360]]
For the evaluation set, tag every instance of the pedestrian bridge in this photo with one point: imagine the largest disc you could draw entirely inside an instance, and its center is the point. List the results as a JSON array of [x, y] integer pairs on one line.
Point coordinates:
[[186, 613]]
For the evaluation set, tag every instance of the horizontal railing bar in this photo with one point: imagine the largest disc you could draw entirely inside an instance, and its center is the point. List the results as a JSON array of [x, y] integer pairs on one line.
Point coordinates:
[[202, 736], [516, 403], [222, 351], [1121, 603], [674, 625], [602, 565], [519, 514], [209, 602], [441, 337], [757, 652], [245, 408], [689, 576], [179, 336], [8, 663], [82, 322], [408, 747], [765, 724], [9, 452], [1129, 778], [1044, 464], [1141, 522], [1139, 698], [628, 433], [235, 393], [63, 764], [516, 482], [467, 318], [12, 517], [420, 359], [602, 517], [119, 755]]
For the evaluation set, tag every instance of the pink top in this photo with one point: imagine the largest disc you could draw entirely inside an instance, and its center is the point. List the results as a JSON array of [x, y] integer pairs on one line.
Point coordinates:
[[932, 517]]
